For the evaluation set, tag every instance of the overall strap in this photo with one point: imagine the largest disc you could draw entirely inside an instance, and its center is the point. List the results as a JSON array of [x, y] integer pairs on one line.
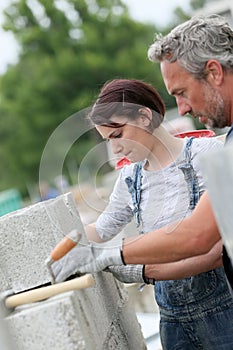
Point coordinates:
[[190, 175], [187, 150], [134, 188], [134, 183]]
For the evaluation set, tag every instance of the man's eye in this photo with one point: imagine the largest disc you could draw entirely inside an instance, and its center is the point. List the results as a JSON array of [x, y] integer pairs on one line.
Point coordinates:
[[180, 93]]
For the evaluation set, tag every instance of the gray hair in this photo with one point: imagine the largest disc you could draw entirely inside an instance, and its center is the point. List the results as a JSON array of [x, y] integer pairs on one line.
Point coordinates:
[[194, 42]]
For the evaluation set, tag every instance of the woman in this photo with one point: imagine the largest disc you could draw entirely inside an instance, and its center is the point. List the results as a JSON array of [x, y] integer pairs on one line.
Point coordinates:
[[162, 185]]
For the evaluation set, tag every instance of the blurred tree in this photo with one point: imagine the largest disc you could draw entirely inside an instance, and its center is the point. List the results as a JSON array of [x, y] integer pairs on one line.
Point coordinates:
[[196, 4], [69, 48]]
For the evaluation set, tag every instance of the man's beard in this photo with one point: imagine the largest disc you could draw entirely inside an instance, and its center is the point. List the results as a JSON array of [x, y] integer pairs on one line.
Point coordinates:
[[215, 108]]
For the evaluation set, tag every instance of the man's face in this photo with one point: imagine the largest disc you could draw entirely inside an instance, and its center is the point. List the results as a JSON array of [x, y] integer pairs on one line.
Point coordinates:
[[193, 96]]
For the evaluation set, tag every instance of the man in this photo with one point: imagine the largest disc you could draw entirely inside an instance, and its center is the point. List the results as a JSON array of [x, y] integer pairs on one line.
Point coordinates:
[[212, 100], [196, 61]]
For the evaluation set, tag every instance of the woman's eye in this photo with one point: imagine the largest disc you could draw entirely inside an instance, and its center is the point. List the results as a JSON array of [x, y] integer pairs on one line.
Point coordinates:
[[117, 136]]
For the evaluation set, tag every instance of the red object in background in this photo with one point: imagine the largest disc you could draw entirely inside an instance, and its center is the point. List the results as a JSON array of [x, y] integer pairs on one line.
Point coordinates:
[[196, 133], [122, 162]]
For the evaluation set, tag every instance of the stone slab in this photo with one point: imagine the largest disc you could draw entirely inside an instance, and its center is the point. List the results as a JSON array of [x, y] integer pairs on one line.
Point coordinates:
[[97, 318], [27, 237]]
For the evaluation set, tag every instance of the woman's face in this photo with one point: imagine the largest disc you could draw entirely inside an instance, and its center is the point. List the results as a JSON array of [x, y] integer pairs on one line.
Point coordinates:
[[131, 140]]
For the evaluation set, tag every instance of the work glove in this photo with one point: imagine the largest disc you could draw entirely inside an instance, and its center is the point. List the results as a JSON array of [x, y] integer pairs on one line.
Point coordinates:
[[88, 258], [129, 273]]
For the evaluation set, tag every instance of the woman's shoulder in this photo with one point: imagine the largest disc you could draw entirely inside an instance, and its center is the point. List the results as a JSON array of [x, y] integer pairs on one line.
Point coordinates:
[[207, 143], [128, 170]]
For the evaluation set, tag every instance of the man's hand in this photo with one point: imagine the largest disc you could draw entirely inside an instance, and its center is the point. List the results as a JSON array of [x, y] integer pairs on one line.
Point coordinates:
[[129, 274], [89, 258]]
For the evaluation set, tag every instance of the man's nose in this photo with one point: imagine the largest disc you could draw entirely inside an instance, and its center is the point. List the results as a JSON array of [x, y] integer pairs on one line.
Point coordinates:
[[183, 107]]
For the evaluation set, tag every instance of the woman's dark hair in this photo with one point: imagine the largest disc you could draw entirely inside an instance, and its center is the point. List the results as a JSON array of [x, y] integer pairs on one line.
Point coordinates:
[[126, 97]]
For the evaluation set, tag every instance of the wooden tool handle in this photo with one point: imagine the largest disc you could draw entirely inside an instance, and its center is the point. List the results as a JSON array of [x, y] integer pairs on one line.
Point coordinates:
[[62, 248], [46, 292], [65, 245]]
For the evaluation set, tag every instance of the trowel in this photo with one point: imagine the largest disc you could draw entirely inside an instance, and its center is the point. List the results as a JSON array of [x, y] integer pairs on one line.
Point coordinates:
[[42, 293], [62, 248]]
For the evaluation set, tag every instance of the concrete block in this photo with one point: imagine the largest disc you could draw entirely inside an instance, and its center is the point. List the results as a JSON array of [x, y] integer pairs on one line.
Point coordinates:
[[51, 325], [6, 342], [27, 237], [111, 315], [97, 318], [3, 282]]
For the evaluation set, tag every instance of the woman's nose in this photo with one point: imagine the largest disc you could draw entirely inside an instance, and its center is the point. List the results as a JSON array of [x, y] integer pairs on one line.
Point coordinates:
[[116, 146]]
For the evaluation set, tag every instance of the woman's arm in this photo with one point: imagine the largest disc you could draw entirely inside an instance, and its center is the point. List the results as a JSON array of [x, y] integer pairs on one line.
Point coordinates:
[[194, 235], [187, 267], [92, 234]]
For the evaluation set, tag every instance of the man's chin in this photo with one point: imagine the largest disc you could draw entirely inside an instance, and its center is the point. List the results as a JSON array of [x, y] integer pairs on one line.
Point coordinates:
[[203, 120], [208, 122]]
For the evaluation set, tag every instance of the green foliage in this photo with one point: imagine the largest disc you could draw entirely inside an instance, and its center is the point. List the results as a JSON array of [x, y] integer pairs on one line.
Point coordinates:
[[196, 4], [66, 55]]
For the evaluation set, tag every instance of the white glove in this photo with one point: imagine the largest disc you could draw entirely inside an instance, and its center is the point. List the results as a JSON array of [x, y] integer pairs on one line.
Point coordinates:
[[129, 274], [89, 258]]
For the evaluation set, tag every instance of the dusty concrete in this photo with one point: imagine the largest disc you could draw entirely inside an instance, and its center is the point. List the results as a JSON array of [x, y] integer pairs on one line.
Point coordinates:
[[6, 342], [99, 318], [47, 325], [27, 237]]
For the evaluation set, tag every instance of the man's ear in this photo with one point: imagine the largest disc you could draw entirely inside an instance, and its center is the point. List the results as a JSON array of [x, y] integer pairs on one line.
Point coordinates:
[[146, 115], [214, 71]]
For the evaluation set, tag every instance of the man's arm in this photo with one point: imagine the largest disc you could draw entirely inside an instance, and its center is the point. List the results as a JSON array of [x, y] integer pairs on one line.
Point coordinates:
[[194, 235], [186, 267], [174, 270]]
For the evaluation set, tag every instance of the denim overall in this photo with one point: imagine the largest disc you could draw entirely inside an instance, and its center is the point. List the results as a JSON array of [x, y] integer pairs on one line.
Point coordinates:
[[195, 312]]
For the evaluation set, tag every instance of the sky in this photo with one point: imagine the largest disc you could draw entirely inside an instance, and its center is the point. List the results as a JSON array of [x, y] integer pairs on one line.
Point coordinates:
[[159, 12]]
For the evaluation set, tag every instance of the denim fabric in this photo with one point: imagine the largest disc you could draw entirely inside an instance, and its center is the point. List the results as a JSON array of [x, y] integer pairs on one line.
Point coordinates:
[[207, 325], [190, 176], [194, 308], [196, 312], [134, 188]]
